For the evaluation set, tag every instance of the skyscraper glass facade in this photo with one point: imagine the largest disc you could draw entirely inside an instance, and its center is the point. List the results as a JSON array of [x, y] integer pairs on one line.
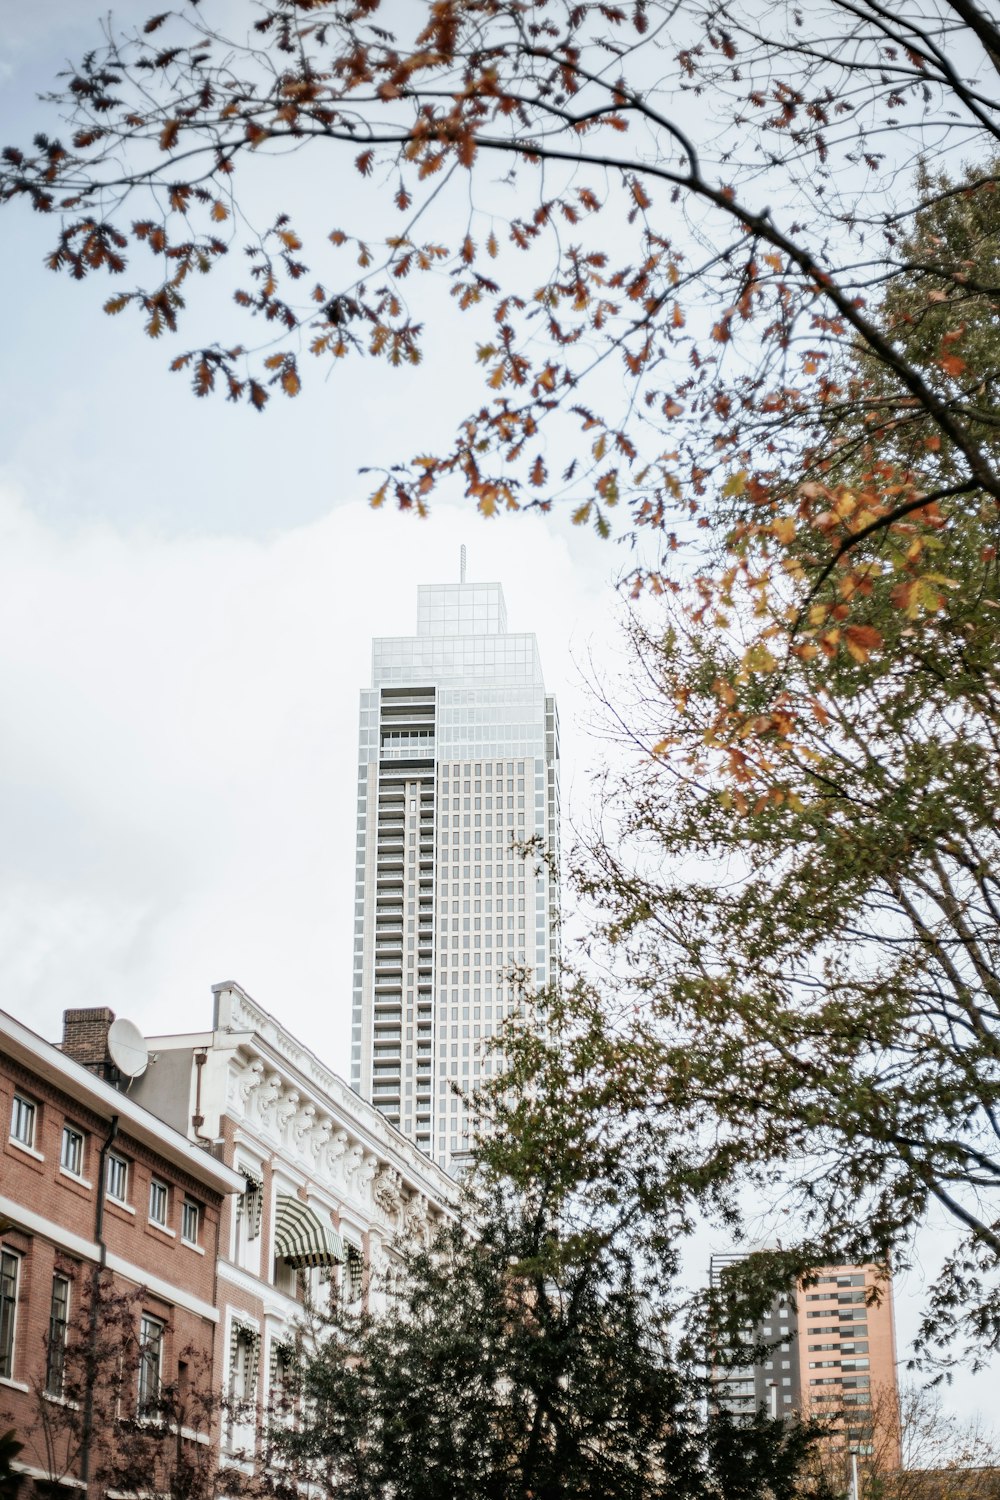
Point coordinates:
[[458, 771]]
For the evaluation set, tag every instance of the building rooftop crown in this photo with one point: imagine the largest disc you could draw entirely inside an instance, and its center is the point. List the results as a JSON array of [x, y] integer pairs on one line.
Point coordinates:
[[461, 609]]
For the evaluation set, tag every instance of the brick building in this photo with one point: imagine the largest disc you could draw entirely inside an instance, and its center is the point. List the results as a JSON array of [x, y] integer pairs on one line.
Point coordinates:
[[89, 1179]]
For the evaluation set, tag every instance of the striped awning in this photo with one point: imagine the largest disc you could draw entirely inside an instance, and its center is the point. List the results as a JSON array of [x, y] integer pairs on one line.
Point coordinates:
[[301, 1237]]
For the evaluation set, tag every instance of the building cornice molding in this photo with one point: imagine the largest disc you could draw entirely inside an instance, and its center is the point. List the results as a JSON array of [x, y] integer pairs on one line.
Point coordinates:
[[279, 1094]]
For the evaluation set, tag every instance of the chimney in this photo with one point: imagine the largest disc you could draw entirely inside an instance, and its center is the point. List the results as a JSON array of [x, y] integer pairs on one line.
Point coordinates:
[[85, 1035]]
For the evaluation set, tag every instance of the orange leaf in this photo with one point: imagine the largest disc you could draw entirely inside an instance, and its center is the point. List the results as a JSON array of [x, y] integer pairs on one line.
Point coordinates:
[[467, 148], [642, 198], [168, 134], [862, 639]]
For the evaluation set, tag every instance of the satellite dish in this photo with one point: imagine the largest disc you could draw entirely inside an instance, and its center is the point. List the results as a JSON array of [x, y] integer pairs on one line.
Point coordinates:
[[127, 1048]]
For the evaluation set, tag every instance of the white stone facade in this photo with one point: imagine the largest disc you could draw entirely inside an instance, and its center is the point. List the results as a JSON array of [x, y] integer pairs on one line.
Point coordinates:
[[295, 1131]]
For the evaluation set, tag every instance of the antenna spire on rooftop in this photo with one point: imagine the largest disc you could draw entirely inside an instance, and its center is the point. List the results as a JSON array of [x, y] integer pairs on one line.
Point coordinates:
[[461, 555]]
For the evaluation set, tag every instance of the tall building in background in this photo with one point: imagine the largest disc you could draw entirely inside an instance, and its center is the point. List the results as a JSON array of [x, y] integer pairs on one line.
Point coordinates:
[[458, 764], [831, 1357]]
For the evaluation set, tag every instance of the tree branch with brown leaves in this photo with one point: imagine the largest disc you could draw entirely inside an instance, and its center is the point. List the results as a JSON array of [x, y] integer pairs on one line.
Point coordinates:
[[632, 137]]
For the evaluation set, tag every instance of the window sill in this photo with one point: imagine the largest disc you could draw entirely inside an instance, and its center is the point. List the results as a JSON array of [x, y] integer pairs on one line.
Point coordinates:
[[55, 1400], [72, 1177], [123, 1208], [28, 1150], [233, 1456], [151, 1423], [190, 1245], [33, 1473], [162, 1229], [190, 1436], [14, 1385]]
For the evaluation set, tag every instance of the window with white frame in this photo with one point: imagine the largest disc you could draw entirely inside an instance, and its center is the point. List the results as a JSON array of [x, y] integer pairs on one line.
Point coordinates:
[[287, 1278], [10, 1269], [55, 1349], [159, 1199], [151, 1331], [23, 1118], [71, 1151], [249, 1212], [281, 1397], [190, 1221], [244, 1351], [252, 1202], [116, 1178], [352, 1274]]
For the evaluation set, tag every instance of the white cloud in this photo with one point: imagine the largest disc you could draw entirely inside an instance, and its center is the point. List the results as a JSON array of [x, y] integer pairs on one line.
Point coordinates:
[[178, 765]]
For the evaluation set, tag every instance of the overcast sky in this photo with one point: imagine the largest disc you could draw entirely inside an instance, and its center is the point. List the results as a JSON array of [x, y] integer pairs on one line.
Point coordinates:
[[188, 594]]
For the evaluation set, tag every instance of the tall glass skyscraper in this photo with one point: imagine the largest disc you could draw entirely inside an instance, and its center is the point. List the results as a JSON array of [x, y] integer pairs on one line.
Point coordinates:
[[458, 765]]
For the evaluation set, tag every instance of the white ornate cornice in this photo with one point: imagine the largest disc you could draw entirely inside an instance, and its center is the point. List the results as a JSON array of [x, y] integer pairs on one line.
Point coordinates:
[[317, 1133], [240, 1014]]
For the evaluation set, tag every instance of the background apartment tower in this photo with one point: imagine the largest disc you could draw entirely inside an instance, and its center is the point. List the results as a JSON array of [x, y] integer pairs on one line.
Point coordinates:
[[459, 756], [831, 1355]]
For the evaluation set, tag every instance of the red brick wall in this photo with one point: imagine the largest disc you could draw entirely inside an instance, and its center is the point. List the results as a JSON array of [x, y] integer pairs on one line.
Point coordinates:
[[34, 1181]]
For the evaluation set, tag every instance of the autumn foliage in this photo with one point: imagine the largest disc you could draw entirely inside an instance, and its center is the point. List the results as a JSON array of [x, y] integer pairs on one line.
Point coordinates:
[[675, 291]]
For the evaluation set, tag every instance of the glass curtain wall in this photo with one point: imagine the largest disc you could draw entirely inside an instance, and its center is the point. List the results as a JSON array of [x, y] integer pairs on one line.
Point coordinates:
[[458, 770]]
